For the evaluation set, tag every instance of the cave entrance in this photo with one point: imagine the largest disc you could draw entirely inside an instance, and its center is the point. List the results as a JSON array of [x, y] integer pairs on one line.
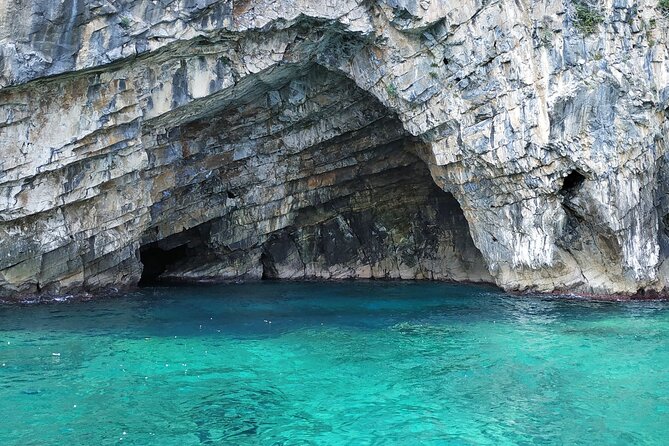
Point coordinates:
[[269, 271], [351, 197], [164, 259], [400, 225], [156, 260], [572, 182]]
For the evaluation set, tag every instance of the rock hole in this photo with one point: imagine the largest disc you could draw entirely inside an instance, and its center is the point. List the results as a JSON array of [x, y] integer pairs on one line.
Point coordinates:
[[269, 271], [572, 182], [570, 239], [156, 261], [231, 195], [646, 294], [165, 260]]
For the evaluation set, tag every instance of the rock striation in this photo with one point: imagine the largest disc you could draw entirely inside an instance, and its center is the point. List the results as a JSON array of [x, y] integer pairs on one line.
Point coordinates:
[[517, 142]]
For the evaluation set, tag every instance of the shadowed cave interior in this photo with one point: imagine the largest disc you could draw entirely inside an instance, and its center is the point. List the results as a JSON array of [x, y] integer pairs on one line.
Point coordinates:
[[428, 228], [311, 178], [572, 182]]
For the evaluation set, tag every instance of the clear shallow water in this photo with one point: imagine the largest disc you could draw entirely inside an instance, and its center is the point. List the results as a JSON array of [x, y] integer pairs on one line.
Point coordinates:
[[334, 364]]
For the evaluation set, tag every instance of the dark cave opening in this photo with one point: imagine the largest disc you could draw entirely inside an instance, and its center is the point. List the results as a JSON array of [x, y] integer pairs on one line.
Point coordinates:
[[172, 254], [573, 228], [156, 260], [403, 226], [269, 271], [572, 182]]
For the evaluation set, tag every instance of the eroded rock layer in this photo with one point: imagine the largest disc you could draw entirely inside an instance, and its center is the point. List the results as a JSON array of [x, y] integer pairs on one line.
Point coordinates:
[[519, 142]]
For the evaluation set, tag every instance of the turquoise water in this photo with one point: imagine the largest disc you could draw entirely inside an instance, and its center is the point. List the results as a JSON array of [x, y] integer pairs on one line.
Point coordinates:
[[334, 364]]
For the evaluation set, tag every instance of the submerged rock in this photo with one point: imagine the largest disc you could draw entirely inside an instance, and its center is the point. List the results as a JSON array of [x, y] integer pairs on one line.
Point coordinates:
[[213, 140]]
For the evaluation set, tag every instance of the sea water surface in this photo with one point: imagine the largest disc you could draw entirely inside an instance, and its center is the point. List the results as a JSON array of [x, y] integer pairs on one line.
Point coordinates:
[[334, 364]]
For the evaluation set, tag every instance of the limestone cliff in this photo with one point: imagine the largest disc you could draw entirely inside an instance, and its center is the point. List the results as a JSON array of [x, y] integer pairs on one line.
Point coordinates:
[[521, 142]]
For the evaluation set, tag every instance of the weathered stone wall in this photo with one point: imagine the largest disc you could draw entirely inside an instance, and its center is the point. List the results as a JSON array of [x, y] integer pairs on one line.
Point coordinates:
[[250, 137]]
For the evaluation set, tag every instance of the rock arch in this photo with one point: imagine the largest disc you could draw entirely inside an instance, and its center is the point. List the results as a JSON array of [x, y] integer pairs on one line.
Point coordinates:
[[326, 184]]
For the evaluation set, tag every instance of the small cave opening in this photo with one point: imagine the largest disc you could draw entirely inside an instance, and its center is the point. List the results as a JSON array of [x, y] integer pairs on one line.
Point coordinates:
[[572, 182], [269, 270], [156, 260], [575, 225], [173, 255]]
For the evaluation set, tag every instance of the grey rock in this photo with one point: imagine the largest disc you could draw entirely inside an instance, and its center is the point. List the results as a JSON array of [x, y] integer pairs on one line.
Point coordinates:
[[219, 140]]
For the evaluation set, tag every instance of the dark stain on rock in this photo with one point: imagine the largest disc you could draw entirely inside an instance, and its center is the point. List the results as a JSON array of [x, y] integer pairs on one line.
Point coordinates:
[[180, 93]]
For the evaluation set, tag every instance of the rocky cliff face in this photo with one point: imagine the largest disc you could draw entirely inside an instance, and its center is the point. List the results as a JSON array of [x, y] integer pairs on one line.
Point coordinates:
[[520, 142]]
